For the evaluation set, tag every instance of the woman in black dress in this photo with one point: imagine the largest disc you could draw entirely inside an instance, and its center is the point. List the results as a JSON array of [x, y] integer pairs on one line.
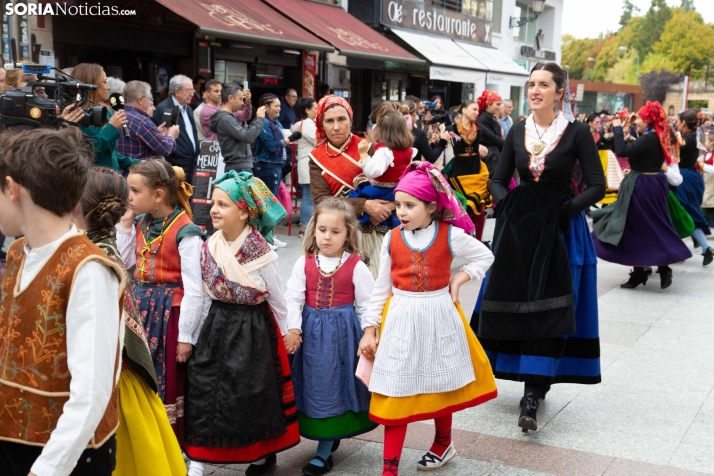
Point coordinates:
[[637, 229], [490, 105], [691, 191], [425, 150], [538, 320]]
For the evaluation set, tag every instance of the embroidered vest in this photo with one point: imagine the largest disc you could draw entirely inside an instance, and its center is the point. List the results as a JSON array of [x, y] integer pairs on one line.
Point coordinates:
[[34, 377], [326, 292], [163, 266], [390, 178], [421, 271], [339, 172]]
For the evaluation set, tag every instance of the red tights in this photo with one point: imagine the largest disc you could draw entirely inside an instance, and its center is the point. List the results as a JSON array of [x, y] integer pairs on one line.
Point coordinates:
[[394, 436]]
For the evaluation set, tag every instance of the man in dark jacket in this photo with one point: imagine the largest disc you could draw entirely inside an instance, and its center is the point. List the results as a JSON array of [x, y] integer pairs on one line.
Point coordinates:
[[233, 138], [187, 143]]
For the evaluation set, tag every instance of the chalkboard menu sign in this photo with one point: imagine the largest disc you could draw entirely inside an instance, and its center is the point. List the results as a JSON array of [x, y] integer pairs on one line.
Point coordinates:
[[209, 165]]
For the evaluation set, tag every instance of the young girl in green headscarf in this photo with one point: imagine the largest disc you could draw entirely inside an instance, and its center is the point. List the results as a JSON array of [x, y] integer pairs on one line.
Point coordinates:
[[239, 404]]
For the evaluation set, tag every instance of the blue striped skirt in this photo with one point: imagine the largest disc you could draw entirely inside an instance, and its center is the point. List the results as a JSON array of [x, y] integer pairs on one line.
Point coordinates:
[[574, 358]]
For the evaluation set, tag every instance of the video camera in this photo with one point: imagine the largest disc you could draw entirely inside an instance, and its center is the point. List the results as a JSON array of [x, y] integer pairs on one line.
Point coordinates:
[[23, 107], [438, 116]]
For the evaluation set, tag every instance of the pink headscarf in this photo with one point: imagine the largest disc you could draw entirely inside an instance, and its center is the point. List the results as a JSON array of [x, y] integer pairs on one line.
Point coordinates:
[[424, 181]]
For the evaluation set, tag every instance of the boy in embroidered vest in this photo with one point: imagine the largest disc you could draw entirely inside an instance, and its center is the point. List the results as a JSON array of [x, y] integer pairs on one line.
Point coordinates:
[[59, 316]]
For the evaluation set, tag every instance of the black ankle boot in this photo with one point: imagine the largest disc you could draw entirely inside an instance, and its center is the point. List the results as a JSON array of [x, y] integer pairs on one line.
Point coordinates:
[[527, 418], [708, 257], [665, 276], [637, 276]]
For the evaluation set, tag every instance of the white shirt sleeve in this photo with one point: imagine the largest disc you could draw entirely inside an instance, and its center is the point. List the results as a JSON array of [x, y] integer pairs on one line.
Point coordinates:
[[92, 337], [193, 304], [708, 168], [673, 176], [295, 295], [479, 257], [364, 284], [376, 165], [382, 290], [276, 295], [126, 245]]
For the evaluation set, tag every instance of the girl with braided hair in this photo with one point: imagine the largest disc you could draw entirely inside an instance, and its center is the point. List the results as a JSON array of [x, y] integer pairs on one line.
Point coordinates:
[[144, 437], [158, 236]]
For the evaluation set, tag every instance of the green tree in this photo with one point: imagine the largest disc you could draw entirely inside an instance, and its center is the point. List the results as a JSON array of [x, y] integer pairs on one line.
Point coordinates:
[[608, 55], [576, 53], [628, 9], [657, 62], [652, 27], [686, 38], [688, 5], [625, 70]]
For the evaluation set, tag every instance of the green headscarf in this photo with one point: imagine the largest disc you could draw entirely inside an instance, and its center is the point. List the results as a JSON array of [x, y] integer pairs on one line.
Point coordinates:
[[251, 194]]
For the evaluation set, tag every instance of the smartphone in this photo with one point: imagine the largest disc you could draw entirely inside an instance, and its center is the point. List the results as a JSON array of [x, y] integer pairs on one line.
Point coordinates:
[[245, 85], [170, 115]]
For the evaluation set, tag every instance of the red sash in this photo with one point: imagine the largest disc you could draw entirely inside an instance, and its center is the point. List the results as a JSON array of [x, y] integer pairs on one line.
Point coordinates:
[[339, 172]]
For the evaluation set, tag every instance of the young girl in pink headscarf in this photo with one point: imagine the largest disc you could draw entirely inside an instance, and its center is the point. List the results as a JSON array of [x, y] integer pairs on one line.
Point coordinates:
[[429, 363]]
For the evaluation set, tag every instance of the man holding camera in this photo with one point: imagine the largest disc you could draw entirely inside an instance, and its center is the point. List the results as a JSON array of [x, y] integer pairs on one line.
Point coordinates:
[[233, 138], [187, 144], [145, 139]]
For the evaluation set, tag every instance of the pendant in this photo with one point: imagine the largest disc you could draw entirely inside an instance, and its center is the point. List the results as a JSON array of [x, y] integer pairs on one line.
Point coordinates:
[[538, 147]]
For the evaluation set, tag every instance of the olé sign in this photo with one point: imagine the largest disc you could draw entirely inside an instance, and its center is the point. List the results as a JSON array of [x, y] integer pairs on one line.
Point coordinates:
[[413, 15]]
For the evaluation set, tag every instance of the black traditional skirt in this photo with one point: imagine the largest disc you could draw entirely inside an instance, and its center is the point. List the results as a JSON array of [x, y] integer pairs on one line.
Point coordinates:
[[240, 405], [530, 288]]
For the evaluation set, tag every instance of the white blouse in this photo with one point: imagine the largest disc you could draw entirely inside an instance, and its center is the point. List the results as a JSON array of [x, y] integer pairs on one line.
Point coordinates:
[[361, 279], [463, 245], [195, 303], [674, 177], [93, 330], [708, 168]]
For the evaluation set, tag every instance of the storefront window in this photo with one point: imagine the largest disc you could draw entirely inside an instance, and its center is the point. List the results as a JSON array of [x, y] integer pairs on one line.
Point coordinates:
[[526, 33], [478, 8], [453, 5], [497, 13], [613, 102], [516, 96]]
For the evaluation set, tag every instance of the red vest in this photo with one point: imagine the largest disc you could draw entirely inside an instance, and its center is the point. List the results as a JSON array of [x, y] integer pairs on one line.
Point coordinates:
[[163, 266], [390, 178], [339, 171], [34, 376], [326, 292], [421, 271]]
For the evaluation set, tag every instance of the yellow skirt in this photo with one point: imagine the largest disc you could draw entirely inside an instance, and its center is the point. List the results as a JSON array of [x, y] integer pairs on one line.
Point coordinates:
[[146, 444], [402, 410]]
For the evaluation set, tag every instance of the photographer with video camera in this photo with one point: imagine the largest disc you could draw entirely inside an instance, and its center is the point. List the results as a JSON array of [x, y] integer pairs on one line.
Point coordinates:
[[104, 138], [145, 139], [425, 150]]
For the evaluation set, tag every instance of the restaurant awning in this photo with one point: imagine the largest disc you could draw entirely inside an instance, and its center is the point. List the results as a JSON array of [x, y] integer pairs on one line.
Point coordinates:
[[494, 60], [439, 50], [449, 62], [343, 31], [246, 20]]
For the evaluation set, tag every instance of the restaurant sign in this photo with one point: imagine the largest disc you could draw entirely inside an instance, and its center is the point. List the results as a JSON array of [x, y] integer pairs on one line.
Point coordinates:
[[419, 16]]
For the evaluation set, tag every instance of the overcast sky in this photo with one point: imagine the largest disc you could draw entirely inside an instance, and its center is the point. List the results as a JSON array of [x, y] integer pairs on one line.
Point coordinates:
[[587, 19]]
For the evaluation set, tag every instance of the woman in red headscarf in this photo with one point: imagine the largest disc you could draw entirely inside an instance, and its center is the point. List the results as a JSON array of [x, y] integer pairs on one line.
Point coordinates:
[[636, 230], [490, 106], [334, 166]]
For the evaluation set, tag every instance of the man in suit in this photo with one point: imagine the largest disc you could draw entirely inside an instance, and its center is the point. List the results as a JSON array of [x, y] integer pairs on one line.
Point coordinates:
[[187, 144]]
